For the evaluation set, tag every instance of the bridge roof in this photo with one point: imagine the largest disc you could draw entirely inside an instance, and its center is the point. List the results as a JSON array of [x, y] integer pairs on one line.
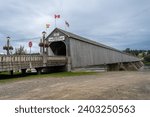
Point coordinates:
[[77, 37]]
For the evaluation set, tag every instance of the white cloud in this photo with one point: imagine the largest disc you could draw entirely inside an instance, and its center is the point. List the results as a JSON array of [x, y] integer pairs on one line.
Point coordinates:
[[119, 23]]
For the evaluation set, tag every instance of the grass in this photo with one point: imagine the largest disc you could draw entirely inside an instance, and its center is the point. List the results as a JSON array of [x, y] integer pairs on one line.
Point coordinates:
[[5, 78], [147, 63]]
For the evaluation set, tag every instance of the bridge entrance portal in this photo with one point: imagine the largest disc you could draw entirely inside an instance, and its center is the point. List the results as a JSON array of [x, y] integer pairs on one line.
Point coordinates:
[[58, 48]]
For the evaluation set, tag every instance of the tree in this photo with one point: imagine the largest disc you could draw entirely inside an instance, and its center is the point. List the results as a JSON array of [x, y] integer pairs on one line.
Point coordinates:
[[148, 52], [20, 51], [143, 54], [127, 50], [136, 52], [147, 58]]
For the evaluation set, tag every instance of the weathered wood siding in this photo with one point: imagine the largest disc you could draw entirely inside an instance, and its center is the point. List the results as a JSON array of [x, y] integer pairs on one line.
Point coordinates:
[[86, 54]]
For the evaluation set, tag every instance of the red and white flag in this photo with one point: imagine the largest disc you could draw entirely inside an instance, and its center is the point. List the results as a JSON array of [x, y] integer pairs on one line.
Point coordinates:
[[47, 25], [67, 24], [57, 16]]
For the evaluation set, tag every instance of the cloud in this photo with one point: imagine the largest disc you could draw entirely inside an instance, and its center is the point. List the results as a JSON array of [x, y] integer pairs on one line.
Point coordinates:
[[118, 23]]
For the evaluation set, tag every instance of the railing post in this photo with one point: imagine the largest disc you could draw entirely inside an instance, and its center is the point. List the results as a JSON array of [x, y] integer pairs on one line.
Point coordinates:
[[68, 65], [11, 72]]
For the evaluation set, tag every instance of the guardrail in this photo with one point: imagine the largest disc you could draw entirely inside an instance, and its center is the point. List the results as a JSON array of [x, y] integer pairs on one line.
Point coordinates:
[[17, 62]]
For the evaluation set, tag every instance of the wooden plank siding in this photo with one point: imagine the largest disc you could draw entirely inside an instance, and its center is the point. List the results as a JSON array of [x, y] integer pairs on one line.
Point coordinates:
[[85, 54]]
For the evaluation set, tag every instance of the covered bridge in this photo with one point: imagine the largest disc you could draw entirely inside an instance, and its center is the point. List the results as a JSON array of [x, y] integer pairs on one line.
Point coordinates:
[[82, 52], [62, 50]]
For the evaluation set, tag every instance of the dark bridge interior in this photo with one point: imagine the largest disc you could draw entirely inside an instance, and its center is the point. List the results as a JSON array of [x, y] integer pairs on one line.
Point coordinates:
[[58, 48]]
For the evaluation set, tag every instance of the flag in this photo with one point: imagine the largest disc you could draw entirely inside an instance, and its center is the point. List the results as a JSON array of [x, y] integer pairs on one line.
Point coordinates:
[[67, 24], [57, 16], [47, 25]]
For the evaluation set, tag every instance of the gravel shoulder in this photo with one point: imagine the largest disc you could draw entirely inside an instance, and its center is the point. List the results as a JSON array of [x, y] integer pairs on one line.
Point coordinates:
[[107, 85]]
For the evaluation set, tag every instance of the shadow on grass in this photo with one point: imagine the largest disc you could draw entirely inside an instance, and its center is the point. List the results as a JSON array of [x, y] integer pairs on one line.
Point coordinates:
[[4, 76]]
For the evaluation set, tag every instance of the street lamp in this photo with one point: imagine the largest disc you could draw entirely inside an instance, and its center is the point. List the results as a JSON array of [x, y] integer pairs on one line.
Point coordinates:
[[8, 38], [43, 43], [44, 33]]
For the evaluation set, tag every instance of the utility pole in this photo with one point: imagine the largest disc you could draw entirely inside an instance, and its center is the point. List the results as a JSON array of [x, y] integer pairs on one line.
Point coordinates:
[[8, 47]]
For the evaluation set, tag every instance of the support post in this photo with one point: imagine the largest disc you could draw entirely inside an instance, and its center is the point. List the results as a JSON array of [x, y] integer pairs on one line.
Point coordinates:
[[68, 65], [23, 71], [39, 70], [11, 72]]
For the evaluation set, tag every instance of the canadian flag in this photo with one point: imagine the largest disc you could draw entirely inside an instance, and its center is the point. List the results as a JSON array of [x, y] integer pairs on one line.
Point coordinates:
[[57, 16]]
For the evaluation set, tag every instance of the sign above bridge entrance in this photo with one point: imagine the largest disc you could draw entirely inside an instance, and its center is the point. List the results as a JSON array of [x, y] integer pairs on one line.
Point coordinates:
[[60, 38]]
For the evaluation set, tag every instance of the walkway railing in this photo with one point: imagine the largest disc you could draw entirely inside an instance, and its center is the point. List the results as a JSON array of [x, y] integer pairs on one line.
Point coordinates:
[[17, 62]]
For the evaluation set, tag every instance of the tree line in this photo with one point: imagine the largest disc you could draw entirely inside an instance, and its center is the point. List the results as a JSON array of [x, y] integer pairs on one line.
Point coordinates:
[[144, 54]]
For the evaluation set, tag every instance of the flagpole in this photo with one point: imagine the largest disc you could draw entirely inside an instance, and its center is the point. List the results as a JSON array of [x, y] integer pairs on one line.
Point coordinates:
[[46, 29], [65, 27], [55, 22], [56, 17]]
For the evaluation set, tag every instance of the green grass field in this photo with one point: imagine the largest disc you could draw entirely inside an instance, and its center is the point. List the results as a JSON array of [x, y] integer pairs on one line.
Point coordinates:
[[5, 77], [147, 63]]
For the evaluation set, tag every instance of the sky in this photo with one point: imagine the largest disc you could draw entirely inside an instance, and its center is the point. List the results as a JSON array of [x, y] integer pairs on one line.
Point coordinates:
[[117, 23]]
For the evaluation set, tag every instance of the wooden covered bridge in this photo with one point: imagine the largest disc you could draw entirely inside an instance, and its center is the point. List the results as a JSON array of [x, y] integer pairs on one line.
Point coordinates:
[[67, 51]]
